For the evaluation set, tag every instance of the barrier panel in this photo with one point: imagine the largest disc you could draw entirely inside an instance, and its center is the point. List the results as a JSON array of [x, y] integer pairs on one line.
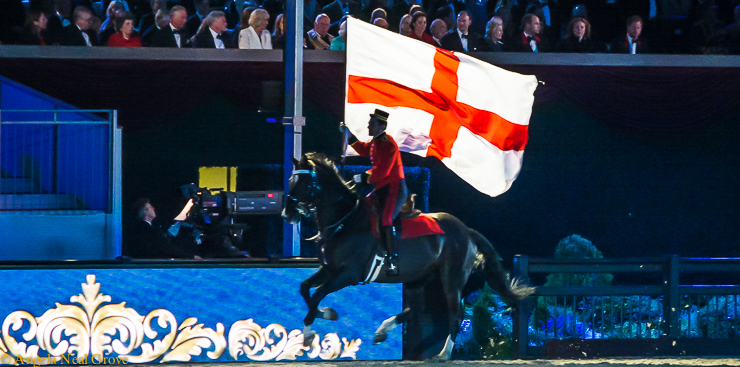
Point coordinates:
[[107, 313]]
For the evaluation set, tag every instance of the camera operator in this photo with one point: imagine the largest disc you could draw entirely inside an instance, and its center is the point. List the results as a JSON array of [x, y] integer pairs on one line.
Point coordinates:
[[145, 240]]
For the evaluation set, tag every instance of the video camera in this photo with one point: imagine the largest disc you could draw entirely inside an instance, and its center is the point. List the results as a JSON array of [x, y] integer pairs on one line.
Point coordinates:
[[214, 205]]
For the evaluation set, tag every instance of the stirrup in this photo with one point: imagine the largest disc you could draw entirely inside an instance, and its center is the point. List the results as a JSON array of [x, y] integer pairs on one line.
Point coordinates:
[[392, 266]]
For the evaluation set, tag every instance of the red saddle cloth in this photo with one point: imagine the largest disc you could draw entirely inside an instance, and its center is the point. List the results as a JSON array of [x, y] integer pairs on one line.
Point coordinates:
[[423, 225]]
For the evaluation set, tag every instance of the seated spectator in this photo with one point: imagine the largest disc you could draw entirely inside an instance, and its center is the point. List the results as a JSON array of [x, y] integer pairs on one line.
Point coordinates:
[[243, 22], [447, 15], [212, 33], [34, 30], [256, 36], [405, 26], [126, 36], [340, 42], [372, 6], [578, 37], [460, 40], [148, 20], [631, 42], [104, 35], [708, 35], [278, 35], [115, 9], [172, 34], [494, 35], [415, 8], [319, 38], [143, 239], [161, 20], [380, 22], [438, 29], [528, 41], [57, 21], [78, 33], [509, 28], [418, 27], [378, 13], [202, 8]]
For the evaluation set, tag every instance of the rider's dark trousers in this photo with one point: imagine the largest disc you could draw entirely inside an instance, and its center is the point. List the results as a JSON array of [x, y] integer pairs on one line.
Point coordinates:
[[391, 198]]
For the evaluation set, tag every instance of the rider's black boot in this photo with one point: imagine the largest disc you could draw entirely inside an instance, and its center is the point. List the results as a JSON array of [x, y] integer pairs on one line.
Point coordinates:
[[391, 245]]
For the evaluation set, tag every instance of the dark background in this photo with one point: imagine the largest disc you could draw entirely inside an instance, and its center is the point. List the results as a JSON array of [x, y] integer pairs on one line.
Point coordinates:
[[643, 161]]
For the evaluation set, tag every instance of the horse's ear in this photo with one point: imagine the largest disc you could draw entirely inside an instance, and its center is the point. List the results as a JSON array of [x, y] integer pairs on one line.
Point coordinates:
[[295, 162]]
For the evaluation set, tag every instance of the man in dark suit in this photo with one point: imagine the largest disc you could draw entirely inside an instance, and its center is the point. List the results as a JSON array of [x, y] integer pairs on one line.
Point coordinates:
[[161, 20], [631, 42], [212, 33], [57, 21], [77, 33], [460, 40], [146, 240], [173, 35], [202, 8], [339, 8], [528, 40]]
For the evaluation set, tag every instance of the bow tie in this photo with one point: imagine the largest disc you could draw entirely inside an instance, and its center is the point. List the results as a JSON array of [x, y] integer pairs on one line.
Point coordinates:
[[530, 39], [179, 31], [220, 36], [464, 36]]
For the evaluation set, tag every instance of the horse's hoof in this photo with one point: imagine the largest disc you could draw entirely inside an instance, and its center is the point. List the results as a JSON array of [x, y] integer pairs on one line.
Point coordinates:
[[308, 339], [328, 313], [379, 338]]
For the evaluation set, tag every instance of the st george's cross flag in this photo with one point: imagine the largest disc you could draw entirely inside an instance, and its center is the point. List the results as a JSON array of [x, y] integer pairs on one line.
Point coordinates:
[[469, 114]]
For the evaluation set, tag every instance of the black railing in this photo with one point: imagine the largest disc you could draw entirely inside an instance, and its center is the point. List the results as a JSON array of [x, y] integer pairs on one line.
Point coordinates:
[[661, 315]]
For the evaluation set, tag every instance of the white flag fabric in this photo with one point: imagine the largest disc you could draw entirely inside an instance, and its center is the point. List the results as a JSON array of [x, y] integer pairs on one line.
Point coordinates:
[[471, 115]]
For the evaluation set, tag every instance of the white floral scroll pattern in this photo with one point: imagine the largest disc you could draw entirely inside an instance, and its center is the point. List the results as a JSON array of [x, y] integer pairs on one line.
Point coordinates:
[[274, 343], [91, 328]]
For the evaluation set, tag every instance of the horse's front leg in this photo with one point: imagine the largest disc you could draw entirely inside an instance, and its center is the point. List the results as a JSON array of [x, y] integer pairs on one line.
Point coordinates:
[[318, 278], [332, 284]]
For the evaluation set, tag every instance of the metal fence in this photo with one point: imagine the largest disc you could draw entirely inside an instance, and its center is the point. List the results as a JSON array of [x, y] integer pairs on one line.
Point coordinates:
[[57, 161], [659, 316]]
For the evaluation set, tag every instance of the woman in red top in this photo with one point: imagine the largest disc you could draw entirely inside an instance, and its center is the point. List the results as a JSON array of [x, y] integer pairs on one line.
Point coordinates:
[[125, 36], [418, 28]]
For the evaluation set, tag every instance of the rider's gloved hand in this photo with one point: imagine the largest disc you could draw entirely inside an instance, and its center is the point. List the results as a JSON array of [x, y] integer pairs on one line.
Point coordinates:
[[358, 178], [342, 127]]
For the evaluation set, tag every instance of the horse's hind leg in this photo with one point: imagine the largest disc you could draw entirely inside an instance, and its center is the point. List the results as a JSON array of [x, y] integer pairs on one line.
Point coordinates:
[[413, 293]]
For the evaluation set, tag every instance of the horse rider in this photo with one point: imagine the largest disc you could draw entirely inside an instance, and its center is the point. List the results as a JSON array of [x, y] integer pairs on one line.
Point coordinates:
[[388, 178]]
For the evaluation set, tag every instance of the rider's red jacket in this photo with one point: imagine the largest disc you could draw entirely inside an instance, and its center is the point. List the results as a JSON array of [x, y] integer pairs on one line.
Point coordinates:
[[385, 157]]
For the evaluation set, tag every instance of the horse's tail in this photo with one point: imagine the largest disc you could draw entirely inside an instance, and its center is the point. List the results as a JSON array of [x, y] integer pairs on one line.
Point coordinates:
[[492, 271]]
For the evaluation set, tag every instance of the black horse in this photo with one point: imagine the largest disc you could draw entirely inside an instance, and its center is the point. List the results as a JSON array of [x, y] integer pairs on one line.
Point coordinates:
[[343, 220]]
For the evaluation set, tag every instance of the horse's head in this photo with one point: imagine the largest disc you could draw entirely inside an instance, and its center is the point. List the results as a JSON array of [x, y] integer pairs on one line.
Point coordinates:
[[314, 180]]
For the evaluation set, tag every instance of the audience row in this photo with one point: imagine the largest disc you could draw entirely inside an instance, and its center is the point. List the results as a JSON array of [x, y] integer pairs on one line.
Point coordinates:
[[449, 24]]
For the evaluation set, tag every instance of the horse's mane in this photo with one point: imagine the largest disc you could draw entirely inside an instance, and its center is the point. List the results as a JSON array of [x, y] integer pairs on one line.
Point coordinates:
[[322, 161]]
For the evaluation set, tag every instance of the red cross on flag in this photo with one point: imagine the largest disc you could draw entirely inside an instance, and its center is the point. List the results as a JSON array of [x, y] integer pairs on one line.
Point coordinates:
[[469, 114]]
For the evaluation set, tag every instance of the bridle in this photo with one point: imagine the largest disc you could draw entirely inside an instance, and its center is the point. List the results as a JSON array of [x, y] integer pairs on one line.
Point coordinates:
[[308, 207]]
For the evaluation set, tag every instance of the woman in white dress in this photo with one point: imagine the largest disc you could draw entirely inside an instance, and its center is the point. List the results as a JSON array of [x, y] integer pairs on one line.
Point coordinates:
[[256, 36]]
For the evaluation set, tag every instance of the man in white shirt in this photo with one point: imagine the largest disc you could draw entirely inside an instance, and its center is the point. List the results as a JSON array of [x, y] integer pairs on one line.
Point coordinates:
[[171, 35], [460, 39], [212, 33], [76, 34]]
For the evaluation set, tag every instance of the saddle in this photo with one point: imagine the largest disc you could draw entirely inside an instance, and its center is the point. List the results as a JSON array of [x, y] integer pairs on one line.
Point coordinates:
[[410, 223], [408, 210]]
